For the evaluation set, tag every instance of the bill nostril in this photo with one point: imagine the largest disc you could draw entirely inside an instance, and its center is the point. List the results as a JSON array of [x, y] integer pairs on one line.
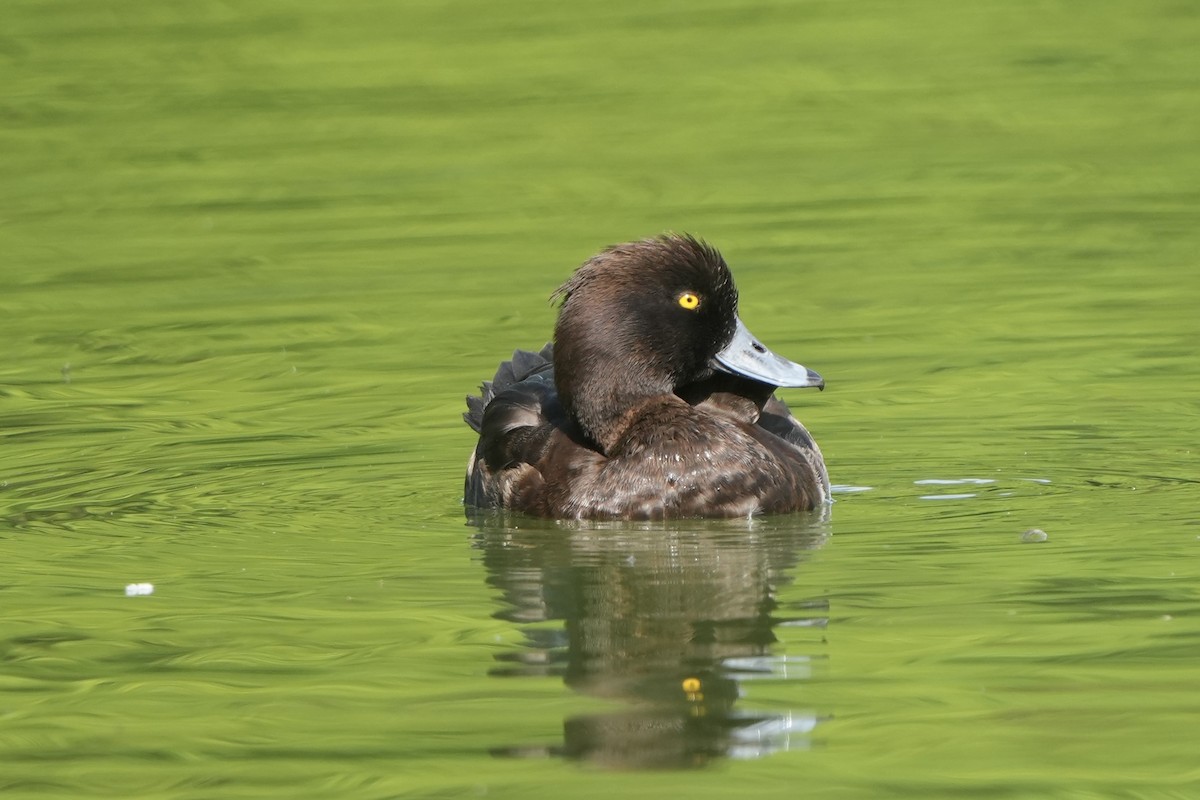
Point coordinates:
[[758, 348]]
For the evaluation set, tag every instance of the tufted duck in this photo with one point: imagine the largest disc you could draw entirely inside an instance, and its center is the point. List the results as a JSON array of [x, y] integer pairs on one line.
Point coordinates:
[[653, 402]]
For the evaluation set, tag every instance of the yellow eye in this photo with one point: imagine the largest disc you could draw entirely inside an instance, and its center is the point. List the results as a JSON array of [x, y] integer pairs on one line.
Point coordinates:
[[689, 300]]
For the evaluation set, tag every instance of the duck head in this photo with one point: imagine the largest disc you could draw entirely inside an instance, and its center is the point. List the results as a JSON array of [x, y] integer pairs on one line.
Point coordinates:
[[646, 319]]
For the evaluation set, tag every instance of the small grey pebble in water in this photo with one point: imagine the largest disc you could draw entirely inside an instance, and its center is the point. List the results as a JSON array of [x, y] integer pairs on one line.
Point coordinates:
[[1034, 535]]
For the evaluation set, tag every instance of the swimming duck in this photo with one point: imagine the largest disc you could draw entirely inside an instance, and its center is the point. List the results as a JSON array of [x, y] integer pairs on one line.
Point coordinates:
[[654, 401]]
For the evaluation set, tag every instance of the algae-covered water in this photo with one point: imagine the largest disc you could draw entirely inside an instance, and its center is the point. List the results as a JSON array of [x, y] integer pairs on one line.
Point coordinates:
[[252, 257]]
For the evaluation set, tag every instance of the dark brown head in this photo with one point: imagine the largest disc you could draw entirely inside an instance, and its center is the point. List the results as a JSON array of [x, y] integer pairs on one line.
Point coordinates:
[[643, 319]]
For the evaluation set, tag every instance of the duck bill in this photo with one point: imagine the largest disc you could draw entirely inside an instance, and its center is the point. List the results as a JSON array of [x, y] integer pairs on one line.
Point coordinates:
[[748, 357]]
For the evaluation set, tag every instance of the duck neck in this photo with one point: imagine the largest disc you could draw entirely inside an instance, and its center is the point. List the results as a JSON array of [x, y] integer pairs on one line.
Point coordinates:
[[606, 423], [604, 402]]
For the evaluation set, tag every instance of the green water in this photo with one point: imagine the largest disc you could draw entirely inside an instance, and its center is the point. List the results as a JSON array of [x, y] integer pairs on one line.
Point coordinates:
[[252, 256]]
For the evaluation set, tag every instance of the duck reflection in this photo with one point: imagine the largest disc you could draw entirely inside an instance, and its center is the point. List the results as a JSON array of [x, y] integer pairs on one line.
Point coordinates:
[[671, 618]]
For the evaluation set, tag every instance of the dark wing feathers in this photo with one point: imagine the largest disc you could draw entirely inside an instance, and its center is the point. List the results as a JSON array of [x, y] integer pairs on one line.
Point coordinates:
[[515, 416], [474, 412], [524, 365]]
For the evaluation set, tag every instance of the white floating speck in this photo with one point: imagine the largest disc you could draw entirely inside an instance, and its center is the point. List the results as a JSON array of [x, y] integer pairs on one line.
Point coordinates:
[[139, 589]]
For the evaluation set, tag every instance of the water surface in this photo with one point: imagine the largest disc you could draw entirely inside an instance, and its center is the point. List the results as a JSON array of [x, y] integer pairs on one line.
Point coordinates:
[[252, 258]]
